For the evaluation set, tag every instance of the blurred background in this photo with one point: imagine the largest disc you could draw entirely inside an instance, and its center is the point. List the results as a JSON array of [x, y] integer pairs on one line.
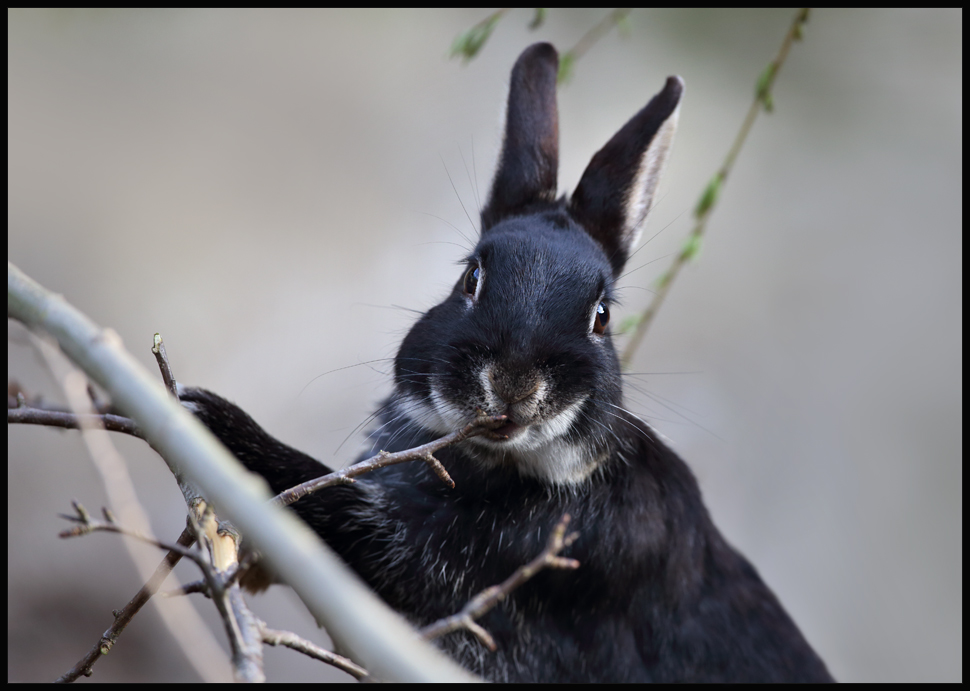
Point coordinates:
[[275, 191]]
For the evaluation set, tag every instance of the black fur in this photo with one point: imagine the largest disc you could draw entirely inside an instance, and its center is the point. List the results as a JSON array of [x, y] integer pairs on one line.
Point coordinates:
[[659, 595]]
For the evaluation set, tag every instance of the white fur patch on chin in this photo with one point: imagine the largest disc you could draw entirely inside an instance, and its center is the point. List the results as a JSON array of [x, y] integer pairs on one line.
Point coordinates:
[[557, 462], [539, 451]]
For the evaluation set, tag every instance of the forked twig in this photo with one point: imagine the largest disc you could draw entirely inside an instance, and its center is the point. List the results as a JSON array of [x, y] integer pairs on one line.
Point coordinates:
[[425, 452], [488, 598], [84, 667], [87, 525]]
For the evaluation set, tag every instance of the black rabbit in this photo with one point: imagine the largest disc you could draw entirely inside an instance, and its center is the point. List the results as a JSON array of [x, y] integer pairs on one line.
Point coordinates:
[[659, 594]]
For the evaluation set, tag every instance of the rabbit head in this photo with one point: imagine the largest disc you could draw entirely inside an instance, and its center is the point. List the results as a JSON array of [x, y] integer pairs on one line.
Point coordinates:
[[525, 332]]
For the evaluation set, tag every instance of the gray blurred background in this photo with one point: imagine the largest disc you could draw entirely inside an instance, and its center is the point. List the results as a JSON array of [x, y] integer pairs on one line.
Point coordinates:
[[273, 191]]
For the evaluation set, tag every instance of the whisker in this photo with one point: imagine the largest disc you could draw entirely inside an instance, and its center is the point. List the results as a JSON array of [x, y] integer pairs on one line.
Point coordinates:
[[473, 186], [464, 237], [470, 221], [340, 369]]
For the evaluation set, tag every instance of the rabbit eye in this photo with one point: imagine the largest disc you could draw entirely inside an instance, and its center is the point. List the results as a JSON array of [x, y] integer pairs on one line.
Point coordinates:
[[601, 319], [472, 278]]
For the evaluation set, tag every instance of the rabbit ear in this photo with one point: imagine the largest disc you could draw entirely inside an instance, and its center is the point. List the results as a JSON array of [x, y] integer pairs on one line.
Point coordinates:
[[618, 188], [529, 163]]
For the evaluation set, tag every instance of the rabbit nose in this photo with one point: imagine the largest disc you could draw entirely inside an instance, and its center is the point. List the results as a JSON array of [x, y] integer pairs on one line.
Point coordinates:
[[513, 389], [520, 395]]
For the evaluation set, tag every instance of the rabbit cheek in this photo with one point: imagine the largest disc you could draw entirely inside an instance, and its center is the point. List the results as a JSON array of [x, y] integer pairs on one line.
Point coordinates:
[[453, 416], [424, 414]]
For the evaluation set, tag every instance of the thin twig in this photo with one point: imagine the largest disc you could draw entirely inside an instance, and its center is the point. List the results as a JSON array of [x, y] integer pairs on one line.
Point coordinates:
[[87, 525], [85, 666], [488, 598], [239, 622], [708, 200], [199, 586], [27, 415], [381, 640], [247, 640], [116, 423], [424, 452], [20, 411], [182, 621], [158, 350], [568, 59], [291, 640]]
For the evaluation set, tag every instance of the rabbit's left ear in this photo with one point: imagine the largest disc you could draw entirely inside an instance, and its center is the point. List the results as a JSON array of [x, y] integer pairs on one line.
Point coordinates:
[[619, 186], [529, 162]]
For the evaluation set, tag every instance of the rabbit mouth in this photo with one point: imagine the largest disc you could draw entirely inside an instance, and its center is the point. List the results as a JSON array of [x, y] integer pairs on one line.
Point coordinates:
[[536, 447], [523, 431], [508, 431]]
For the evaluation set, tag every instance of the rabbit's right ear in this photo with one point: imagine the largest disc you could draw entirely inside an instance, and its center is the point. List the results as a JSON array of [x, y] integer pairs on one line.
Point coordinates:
[[529, 164], [619, 185]]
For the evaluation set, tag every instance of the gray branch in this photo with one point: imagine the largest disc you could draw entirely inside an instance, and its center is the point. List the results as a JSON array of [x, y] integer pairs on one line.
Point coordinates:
[[355, 617]]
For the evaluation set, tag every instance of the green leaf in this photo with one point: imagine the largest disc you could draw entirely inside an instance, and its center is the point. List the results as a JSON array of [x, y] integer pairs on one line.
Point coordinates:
[[566, 62], [710, 195], [692, 247], [539, 17], [469, 43], [764, 82]]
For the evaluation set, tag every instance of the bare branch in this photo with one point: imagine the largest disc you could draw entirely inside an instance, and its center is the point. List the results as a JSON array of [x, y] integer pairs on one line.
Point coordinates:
[[158, 350], [291, 640], [424, 452], [182, 621], [488, 598], [247, 641], [355, 618], [84, 667], [27, 415], [87, 525], [218, 555], [199, 586]]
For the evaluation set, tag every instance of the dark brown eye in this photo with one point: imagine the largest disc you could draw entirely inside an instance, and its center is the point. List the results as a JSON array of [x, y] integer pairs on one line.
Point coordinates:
[[472, 277], [602, 318]]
